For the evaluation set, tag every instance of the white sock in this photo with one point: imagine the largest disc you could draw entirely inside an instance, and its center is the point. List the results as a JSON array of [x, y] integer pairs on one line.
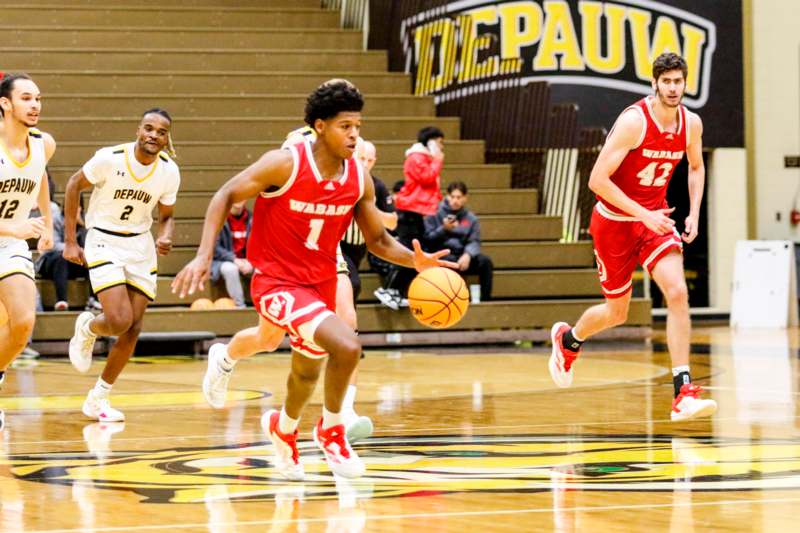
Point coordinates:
[[678, 369], [226, 363], [101, 388], [349, 398], [286, 424], [330, 419], [87, 330]]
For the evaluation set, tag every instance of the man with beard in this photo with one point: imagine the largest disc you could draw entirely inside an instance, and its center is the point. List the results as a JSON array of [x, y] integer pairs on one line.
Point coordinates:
[[128, 182], [631, 224]]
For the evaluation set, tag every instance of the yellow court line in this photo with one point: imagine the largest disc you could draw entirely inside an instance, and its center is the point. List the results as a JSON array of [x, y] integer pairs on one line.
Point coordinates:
[[143, 399]]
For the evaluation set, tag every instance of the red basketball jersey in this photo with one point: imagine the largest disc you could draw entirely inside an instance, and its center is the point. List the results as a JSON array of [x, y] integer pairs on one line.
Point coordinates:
[[645, 172], [296, 228]]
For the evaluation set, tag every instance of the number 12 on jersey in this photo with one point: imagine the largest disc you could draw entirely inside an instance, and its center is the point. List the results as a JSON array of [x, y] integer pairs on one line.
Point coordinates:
[[315, 228]]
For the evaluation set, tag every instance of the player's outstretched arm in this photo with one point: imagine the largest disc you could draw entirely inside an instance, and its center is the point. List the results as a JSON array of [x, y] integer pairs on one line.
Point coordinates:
[[697, 175], [271, 170], [380, 243], [624, 136], [72, 199]]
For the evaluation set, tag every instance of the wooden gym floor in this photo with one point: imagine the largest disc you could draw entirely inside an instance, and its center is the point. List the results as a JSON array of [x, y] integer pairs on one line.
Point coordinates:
[[464, 441]]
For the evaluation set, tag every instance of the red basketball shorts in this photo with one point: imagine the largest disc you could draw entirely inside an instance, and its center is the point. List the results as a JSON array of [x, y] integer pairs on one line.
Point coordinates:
[[297, 309], [620, 243]]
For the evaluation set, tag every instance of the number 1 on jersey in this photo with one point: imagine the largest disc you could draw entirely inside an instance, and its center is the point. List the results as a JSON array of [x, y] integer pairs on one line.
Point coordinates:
[[313, 233]]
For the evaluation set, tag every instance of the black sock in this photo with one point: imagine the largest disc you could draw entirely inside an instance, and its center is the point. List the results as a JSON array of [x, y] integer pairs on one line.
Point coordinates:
[[570, 342], [679, 381]]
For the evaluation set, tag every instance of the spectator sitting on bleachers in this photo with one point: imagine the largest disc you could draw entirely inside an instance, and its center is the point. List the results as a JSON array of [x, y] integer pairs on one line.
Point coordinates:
[[417, 199], [376, 264], [457, 228], [52, 265], [230, 254]]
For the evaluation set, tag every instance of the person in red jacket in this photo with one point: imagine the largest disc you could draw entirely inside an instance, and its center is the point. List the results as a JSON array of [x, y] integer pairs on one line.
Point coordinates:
[[419, 197]]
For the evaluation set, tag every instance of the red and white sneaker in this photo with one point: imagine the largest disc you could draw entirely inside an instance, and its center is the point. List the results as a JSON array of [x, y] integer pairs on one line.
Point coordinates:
[[561, 359], [687, 405], [287, 457], [341, 458]]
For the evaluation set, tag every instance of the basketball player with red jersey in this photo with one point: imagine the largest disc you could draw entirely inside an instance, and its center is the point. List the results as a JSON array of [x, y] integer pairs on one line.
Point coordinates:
[[307, 196], [631, 224]]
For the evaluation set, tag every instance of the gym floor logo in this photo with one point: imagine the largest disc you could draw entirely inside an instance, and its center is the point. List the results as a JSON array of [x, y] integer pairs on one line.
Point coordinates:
[[421, 466]]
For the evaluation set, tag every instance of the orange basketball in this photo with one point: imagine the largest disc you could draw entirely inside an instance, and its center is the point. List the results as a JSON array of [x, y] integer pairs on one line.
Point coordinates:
[[3, 315], [224, 303], [201, 304], [438, 297]]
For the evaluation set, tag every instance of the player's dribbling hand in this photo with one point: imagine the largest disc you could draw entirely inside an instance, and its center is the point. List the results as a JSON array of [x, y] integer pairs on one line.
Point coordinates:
[[73, 253], [424, 261], [658, 220], [45, 241], [163, 245], [191, 277], [690, 229], [28, 228]]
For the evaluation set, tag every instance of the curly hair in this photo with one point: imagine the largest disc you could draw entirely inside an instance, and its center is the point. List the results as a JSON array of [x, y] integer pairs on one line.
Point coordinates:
[[331, 98], [669, 61]]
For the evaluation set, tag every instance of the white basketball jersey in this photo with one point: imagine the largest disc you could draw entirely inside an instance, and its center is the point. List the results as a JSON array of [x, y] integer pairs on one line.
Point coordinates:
[[20, 180], [125, 191]]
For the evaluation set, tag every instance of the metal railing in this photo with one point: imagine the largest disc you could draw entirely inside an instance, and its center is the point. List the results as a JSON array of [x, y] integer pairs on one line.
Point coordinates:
[[354, 15]]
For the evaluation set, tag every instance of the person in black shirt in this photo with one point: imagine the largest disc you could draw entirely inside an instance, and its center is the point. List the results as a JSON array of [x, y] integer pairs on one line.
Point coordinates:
[[354, 247]]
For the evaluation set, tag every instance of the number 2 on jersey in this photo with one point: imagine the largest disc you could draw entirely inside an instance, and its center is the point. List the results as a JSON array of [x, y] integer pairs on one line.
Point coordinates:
[[647, 177], [126, 213], [313, 233]]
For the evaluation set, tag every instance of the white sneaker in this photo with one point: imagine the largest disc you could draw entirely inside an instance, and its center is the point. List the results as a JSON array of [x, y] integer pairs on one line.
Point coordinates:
[[81, 345], [100, 409], [357, 427], [387, 298], [287, 457], [215, 382], [29, 353], [687, 405], [93, 304], [341, 458]]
